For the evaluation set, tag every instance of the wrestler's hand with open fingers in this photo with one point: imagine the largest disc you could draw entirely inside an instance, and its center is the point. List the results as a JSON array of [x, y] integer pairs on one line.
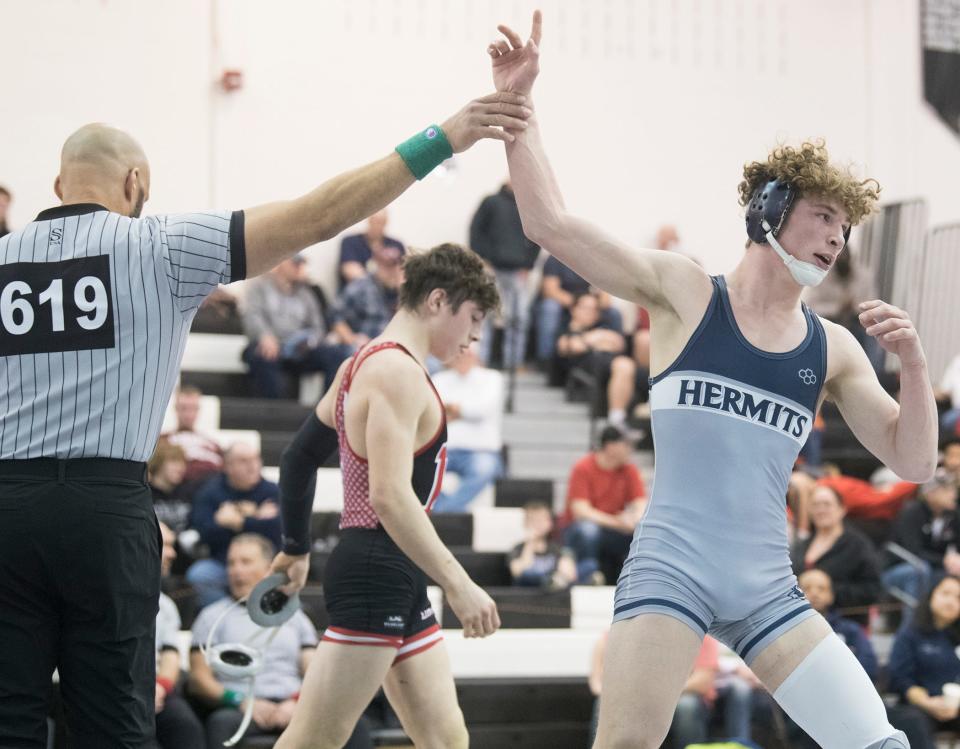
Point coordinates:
[[475, 609], [515, 63], [295, 567], [487, 117], [893, 329]]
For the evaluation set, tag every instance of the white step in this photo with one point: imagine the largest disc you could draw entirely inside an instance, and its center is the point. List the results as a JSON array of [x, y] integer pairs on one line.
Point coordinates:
[[214, 352]]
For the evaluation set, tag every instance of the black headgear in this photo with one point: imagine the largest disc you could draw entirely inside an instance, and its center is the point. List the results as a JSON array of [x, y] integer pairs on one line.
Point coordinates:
[[771, 202]]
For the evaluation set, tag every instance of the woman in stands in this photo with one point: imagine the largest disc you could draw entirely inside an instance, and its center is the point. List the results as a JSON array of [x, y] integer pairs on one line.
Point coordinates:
[[842, 552], [924, 666]]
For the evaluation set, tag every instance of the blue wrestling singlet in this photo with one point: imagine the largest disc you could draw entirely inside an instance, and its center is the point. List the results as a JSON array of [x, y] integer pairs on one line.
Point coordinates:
[[728, 422]]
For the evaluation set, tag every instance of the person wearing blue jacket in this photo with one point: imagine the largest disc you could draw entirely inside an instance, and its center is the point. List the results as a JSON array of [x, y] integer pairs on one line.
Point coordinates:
[[925, 658], [238, 500]]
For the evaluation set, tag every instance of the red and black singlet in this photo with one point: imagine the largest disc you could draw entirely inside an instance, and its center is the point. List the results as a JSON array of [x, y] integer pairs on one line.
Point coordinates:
[[429, 461]]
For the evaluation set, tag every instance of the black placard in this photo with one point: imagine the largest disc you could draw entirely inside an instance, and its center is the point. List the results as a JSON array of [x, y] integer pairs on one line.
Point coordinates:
[[60, 306]]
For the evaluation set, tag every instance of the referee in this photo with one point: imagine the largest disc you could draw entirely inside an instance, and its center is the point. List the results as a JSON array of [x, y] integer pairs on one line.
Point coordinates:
[[95, 307]]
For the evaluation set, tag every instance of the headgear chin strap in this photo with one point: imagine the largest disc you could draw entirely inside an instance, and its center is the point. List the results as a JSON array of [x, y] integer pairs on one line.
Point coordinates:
[[804, 273], [268, 608]]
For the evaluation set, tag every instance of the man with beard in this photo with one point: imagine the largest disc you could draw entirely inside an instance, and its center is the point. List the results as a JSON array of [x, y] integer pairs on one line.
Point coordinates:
[[95, 307]]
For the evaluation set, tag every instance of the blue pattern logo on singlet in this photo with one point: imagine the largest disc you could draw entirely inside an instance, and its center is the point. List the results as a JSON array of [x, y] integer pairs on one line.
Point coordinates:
[[796, 594], [807, 376]]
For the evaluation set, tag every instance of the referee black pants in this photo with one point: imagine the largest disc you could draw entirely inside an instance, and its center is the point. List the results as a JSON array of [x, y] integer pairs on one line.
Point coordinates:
[[79, 592]]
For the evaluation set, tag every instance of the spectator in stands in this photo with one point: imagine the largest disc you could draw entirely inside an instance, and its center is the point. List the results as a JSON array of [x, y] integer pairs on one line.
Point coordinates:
[[871, 505], [165, 472], [538, 561], [239, 500], [589, 345], [283, 321], [949, 390], [204, 455], [930, 530], [357, 249], [558, 290], [285, 658], [951, 458], [177, 725], [605, 502], [842, 552], [924, 661], [366, 304], [496, 235], [473, 398], [5, 199]]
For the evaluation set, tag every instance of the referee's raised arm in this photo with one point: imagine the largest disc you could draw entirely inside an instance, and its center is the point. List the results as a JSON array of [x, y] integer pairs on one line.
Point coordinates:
[[96, 305], [276, 230]]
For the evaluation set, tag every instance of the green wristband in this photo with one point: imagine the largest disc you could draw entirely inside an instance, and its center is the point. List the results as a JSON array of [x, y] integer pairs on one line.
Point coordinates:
[[231, 698], [425, 151]]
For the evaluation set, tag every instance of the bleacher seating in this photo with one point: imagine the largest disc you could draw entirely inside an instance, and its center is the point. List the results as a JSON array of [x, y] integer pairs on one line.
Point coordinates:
[[513, 686]]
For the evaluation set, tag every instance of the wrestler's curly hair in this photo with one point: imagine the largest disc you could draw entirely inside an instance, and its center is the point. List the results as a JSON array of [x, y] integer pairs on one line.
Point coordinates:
[[458, 271], [808, 168]]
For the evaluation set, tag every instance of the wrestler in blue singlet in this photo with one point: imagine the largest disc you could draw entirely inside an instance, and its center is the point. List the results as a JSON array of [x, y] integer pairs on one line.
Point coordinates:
[[728, 423]]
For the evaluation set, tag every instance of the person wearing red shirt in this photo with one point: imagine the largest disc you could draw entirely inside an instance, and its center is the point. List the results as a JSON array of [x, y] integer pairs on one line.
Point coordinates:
[[605, 501]]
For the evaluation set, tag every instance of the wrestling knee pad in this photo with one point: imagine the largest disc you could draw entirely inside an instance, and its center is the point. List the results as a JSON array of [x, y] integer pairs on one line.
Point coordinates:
[[894, 741]]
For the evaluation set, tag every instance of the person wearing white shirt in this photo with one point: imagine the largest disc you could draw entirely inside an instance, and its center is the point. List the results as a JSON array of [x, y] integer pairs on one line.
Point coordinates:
[[473, 397]]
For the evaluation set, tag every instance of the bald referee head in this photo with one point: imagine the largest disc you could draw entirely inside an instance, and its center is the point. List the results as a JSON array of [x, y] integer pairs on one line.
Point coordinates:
[[95, 307], [100, 164]]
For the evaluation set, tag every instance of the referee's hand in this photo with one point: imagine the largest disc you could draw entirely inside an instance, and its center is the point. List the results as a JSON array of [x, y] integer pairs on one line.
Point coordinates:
[[295, 568]]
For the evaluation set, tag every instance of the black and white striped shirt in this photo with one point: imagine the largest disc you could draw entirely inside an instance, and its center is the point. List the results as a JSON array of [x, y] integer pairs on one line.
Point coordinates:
[[95, 309]]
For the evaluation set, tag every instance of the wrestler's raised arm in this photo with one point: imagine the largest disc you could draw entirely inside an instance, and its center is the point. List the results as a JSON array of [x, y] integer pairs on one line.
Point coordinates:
[[649, 277]]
